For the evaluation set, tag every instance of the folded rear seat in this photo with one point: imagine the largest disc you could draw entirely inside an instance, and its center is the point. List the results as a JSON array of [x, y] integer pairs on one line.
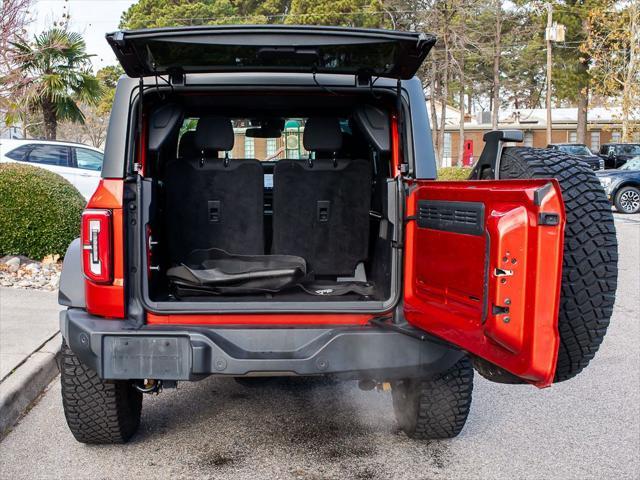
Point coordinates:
[[213, 202], [321, 206], [223, 253], [215, 219]]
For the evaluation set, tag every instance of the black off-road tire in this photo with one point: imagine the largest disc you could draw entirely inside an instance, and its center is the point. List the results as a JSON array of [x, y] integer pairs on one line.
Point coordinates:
[[627, 200], [97, 411], [434, 408], [590, 264]]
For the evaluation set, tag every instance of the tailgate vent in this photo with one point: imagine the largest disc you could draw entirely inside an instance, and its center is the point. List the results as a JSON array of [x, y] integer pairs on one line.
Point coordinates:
[[457, 217]]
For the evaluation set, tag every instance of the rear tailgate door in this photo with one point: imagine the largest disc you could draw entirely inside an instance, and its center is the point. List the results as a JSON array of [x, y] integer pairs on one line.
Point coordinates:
[[483, 266]]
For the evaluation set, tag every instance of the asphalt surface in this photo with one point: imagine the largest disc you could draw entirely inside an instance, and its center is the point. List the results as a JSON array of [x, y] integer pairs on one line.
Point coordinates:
[[586, 428]]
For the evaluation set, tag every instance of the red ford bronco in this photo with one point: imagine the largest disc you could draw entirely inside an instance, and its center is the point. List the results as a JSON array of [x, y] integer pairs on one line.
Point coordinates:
[[268, 207]]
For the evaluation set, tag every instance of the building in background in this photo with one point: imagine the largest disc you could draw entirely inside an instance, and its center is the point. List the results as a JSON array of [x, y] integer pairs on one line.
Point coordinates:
[[603, 126]]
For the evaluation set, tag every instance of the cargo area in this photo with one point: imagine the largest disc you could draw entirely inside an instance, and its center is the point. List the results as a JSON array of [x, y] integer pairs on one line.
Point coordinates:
[[281, 199]]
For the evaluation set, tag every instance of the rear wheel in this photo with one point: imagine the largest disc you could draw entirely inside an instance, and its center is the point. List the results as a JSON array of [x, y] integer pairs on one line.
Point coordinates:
[[627, 200], [590, 262], [437, 407], [97, 411]]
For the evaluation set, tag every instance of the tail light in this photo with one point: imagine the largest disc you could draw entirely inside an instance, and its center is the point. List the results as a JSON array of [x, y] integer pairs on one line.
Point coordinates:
[[97, 245]]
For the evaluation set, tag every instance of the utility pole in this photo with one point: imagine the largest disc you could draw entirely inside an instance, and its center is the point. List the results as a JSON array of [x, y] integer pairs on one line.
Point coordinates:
[[548, 37]]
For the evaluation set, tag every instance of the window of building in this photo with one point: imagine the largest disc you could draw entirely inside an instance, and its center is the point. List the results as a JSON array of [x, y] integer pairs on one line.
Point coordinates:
[[528, 139], [616, 137], [50, 155], [249, 148], [272, 146], [573, 137], [595, 141], [88, 159], [447, 150]]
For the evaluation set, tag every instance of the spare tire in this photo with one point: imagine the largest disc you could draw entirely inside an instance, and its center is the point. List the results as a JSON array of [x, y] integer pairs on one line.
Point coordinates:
[[590, 263]]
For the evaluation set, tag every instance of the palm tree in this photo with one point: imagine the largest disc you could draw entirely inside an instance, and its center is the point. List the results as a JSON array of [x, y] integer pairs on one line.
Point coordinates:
[[56, 77]]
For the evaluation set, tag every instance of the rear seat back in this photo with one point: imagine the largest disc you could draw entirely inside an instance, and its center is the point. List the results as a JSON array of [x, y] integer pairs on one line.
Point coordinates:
[[321, 207], [213, 202]]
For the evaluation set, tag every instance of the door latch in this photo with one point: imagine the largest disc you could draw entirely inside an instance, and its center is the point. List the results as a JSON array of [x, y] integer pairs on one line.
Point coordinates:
[[501, 272]]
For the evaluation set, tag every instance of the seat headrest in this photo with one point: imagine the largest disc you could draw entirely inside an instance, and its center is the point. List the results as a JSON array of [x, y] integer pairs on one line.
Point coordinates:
[[322, 134], [214, 134], [187, 146]]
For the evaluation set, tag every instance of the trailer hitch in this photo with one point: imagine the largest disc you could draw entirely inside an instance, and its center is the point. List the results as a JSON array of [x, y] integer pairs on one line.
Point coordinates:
[[488, 165]]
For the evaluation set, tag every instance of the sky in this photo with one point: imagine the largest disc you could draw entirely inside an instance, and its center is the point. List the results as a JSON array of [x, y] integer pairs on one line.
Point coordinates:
[[91, 18]]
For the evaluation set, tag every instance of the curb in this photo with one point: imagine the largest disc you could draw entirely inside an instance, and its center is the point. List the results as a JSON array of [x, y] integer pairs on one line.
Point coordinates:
[[19, 390]]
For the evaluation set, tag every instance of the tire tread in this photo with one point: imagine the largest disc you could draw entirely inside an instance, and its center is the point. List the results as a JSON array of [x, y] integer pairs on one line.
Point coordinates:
[[435, 408], [589, 269], [97, 411]]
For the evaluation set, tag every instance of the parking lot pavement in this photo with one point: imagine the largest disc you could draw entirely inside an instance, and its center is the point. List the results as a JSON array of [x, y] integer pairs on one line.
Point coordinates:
[[588, 427]]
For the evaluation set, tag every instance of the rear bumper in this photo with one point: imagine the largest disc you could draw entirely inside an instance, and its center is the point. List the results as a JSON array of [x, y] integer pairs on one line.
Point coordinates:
[[117, 351]]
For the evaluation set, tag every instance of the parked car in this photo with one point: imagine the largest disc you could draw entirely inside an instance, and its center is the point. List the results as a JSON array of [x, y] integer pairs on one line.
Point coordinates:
[[79, 164], [622, 186], [580, 151], [616, 154], [349, 261]]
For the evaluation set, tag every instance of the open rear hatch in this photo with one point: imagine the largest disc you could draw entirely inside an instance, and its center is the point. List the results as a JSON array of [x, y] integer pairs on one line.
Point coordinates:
[[270, 48]]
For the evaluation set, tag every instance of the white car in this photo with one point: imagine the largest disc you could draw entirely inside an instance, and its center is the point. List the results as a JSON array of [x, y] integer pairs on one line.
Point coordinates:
[[79, 164]]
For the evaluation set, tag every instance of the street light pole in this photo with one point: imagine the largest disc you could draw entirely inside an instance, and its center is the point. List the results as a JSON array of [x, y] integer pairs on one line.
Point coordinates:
[[549, 67]]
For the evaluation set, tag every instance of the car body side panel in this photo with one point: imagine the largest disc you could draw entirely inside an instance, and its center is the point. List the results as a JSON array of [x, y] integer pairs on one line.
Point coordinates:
[[71, 289], [85, 181], [116, 143], [424, 160]]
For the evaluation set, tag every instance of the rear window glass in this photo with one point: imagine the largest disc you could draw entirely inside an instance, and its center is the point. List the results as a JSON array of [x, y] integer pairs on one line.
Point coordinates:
[[264, 140], [50, 155], [377, 57], [88, 159], [19, 153], [629, 149], [575, 149], [275, 145]]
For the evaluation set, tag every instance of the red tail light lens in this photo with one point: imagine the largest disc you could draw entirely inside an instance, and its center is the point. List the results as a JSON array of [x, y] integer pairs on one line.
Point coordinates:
[[97, 245]]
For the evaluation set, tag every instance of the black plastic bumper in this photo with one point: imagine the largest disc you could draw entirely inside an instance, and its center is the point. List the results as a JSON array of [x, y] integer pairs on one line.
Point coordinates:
[[118, 351]]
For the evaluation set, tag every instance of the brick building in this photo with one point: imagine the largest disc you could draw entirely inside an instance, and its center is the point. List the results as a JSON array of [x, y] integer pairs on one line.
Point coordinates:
[[603, 127]]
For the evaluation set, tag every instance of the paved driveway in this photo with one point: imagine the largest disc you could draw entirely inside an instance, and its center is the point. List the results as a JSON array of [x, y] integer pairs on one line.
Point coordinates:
[[588, 427]]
